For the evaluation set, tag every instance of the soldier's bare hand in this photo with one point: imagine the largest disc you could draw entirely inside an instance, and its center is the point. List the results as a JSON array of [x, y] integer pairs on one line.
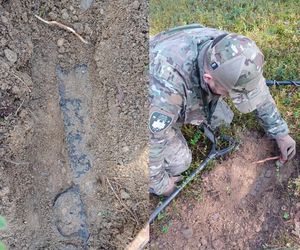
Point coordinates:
[[172, 185], [287, 147]]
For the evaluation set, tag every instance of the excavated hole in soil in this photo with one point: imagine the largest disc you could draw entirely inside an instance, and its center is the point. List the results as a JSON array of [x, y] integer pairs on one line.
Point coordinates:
[[73, 117], [236, 205]]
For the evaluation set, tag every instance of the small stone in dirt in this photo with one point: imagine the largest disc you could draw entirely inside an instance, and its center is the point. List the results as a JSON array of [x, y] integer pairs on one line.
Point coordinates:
[[70, 247], [65, 14], [16, 90], [257, 227], [4, 191], [75, 18], [204, 242], [85, 4], [215, 216], [2, 152], [24, 17], [268, 173], [3, 42], [283, 208], [4, 19], [266, 227], [61, 50], [87, 29], [11, 55], [187, 233], [53, 15], [125, 149], [218, 244], [124, 195], [60, 42], [78, 27], [135, 5], [23, 113]]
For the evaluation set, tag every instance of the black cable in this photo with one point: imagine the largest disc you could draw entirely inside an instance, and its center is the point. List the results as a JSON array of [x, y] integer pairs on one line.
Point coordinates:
[[282, 83]]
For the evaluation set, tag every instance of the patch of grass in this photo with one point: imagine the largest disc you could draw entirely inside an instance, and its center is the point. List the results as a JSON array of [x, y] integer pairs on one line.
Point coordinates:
[[2, 223], [43, 10], [294, 187], [104, 214], [286, 215], [161, 215], [196, 138], [2, 246], [165, 228], [283, 242], [195, 192], [297, 186], [3, 226]]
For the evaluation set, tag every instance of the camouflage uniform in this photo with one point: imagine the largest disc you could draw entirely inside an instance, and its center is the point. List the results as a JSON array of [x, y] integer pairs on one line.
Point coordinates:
[[178, 94]]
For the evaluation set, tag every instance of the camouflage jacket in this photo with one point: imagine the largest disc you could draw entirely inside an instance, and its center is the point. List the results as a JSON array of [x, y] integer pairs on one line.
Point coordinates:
[[178, 90]]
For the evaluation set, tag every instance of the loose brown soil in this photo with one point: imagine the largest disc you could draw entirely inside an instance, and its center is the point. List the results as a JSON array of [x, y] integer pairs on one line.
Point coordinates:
[[47, 206], [237, 205]]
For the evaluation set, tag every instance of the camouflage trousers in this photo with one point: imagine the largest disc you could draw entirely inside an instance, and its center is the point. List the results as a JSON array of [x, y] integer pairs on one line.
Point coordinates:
[[171, 156], [178, 156]]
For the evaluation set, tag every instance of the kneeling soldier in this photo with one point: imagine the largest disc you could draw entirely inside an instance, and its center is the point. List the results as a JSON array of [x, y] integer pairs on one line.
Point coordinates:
[[191, 68]]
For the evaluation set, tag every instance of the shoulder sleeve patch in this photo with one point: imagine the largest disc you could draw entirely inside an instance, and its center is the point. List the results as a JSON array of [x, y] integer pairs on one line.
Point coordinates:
[[159, 121]]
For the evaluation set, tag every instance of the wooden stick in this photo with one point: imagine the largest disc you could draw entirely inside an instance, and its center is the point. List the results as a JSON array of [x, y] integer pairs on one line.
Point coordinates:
[[19, 107], [14, 162], [267, 159], [63, 27], [140, 240]]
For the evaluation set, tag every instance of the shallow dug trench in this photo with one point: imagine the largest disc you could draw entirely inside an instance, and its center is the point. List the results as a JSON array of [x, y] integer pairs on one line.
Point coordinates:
[[73, 124], [237, 205]]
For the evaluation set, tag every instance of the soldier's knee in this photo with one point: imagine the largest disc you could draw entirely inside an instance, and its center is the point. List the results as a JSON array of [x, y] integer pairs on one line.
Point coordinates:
[[186, 161], [158, 186], [180, 163]]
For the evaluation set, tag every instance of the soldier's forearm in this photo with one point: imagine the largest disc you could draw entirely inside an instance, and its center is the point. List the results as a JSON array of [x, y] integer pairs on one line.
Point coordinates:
[[271, 120]]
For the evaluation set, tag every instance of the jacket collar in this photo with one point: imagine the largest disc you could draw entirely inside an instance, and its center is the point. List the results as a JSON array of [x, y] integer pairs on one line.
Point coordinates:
[[202, 49]]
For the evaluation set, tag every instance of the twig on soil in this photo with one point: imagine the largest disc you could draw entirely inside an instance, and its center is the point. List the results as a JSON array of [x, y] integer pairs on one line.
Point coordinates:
[[21, 81], [267, 159], [18, 109], [14, 162], [62, 26], [117, 184], [124, 205], [33, 115]]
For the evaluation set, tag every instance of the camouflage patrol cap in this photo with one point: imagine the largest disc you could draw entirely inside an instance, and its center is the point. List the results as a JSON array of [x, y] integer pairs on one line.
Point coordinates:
[[237, 64]]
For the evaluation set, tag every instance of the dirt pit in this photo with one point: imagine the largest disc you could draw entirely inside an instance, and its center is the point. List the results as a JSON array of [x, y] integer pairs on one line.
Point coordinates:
[[237, 205], [72, 116]]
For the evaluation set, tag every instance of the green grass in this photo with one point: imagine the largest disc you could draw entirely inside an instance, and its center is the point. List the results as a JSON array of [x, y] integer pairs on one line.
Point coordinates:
[[3, 226], [273, 25]]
